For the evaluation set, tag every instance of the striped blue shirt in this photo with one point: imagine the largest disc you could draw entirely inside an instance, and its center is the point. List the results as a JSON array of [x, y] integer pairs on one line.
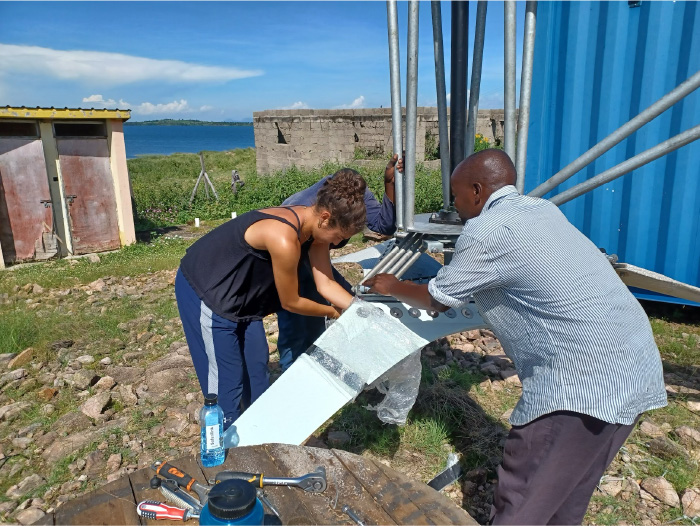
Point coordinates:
[[578, 338]]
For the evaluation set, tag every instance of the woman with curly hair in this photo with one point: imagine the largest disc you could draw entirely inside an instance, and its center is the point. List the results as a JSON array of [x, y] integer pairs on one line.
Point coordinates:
[[245, 269]]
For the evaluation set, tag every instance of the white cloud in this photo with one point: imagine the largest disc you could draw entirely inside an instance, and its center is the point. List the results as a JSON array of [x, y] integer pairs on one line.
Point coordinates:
[[111, 69], [359, 102], [148, 108], [298, 105], [99, 100]]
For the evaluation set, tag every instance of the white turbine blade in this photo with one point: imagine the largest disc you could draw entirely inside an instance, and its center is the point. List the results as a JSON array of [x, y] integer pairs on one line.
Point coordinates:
[[646, 279], [364, 343]]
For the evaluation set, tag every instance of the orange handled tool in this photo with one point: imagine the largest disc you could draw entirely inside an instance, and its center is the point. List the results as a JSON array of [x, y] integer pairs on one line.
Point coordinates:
[[170, 472]]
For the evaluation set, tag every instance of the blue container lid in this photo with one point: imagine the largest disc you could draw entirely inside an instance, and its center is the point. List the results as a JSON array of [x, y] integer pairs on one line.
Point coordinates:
[[231, 499]]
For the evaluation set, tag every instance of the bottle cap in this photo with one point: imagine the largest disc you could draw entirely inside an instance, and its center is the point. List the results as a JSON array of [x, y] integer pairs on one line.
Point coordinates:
[[231, 499], [211, 399]]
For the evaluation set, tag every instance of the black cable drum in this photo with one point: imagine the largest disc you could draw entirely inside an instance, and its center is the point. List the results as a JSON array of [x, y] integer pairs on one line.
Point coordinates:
[[231, 499]]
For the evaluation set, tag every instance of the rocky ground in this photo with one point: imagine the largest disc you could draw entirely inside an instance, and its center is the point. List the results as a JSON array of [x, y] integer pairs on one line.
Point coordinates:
[[81, 413]]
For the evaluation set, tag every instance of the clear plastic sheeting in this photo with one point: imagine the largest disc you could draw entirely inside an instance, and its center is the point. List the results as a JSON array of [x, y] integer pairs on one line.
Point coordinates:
[[400, 386], [355, 351], [364, 343]]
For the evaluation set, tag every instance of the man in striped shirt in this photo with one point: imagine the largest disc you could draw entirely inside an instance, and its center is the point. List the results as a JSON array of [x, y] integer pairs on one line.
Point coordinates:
[[581, 343]]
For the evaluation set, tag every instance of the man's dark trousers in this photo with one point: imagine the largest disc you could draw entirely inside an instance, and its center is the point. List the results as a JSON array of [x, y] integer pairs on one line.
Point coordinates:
[[551, 467]]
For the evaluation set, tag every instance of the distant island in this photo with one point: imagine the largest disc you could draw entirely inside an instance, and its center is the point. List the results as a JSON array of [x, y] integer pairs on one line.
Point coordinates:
[[185, 122]]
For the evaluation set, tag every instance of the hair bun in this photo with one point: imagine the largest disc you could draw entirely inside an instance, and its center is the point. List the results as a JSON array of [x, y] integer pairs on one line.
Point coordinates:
[[343, 195], [348, 184]]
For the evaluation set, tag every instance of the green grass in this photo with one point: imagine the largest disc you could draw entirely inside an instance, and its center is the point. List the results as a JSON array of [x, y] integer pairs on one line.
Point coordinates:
[[162, 186], [613, 511], [133, 260], [681, 473]]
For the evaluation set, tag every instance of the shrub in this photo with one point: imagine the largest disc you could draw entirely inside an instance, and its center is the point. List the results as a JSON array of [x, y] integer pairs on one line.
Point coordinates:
[[162, 186]]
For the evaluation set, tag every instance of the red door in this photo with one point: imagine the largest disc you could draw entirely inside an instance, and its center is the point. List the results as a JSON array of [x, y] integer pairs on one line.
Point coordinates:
[[25, 200], [89, 192]]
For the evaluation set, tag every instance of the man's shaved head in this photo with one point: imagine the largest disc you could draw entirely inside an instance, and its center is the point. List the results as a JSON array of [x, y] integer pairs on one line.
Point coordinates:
[[492, 168], [477, 177]]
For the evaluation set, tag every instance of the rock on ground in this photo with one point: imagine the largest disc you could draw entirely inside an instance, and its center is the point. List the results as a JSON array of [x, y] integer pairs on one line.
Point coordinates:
[[662, 490], [94, 406], [27, 485], [691, 502], [29, 516]]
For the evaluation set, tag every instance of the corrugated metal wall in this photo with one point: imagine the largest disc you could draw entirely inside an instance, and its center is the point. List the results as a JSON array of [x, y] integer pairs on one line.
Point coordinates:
[[597, 65]]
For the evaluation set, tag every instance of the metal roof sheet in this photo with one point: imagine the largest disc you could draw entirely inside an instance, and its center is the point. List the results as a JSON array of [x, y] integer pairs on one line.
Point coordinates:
[[22, 112]]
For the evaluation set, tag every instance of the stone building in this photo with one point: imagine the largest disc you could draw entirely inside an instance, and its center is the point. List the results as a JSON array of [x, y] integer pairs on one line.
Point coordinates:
[[306, 138]]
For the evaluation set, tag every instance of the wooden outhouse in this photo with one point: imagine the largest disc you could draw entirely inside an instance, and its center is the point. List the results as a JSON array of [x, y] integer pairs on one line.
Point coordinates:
[[64, 184]]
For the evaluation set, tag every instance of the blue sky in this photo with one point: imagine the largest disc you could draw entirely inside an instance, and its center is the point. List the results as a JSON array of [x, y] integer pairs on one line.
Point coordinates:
[[223, 60]]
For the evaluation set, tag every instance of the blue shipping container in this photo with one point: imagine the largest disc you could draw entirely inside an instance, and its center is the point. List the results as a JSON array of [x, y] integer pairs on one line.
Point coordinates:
[[596, 66]]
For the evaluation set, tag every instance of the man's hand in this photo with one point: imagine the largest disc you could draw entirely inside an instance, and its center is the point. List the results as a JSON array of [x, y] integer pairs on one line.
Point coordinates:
[[382, 284], [390, 172]]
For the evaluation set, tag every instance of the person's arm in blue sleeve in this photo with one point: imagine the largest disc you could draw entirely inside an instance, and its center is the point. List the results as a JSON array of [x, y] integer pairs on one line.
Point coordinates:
[[381, 218]]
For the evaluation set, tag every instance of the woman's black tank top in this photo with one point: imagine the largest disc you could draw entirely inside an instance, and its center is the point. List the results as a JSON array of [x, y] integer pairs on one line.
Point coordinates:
[[232, 278]]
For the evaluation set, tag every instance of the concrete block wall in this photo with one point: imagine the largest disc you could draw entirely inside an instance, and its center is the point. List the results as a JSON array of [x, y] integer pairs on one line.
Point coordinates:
[[307, 138]]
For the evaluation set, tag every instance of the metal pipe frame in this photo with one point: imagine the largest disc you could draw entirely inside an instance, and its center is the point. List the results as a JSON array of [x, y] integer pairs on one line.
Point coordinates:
[[441, 102], [411, 115], [525, 93], [630, 164], [475, 86], [408, 264], [661, 105], [458, 81], [411, 249], [396, 251], [509, 77], [397, 128]]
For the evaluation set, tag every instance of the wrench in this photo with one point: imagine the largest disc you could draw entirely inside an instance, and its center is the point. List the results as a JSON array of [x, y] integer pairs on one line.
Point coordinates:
[[314, 482]]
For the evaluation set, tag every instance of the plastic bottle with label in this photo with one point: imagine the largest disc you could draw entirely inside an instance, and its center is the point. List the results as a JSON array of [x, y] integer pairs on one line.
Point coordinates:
[[211, 420]]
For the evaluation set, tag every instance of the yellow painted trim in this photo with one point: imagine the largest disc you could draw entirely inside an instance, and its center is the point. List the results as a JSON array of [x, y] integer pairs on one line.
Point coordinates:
[[64, 113]]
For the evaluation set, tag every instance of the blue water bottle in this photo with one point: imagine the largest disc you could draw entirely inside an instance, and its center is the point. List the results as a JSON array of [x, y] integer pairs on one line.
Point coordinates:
[[211, 420], [232, 502]]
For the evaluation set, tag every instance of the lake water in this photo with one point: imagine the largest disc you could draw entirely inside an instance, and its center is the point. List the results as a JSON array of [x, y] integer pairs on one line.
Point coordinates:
[[164, 140]]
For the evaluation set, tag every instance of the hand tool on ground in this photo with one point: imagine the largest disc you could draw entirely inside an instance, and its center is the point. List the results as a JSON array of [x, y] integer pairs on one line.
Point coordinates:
[[350, 513], [175, 495], [450, 474], [267, 502], [151, 509], [314, 482], [170, 472]]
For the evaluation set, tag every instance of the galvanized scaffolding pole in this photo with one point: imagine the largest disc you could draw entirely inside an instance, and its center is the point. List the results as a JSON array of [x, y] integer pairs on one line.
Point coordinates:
[[630, 164], [441, 102], [475, 86], [509, 77], [458, 81], [411, 115], [525, 92], [397, 128], [661, 105]]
